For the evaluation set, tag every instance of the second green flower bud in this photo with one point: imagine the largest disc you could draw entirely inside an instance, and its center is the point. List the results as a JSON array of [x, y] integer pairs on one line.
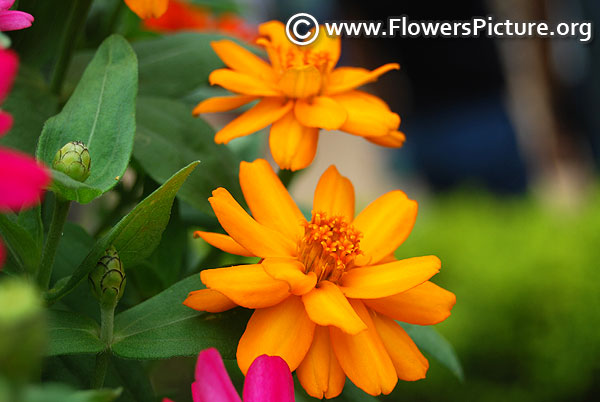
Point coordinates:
[[108, 279], [73, 160]]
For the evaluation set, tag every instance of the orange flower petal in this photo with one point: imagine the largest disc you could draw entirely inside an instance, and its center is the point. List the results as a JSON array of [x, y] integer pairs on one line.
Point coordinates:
[[409, 362], [242, 60], [269, 200], [275, 41], [223, 242], [334, 195], [242, 83], [321, 112], [262, 114], [293, 145], [425, 304], [385, 224], [148, 8], [327, 305], [282, 330], [290, 271], [222, 104], [208, 300], [384, 280], [247, 285], [320, 373], [363, 356], [394, 139], [300, 82], [254, 237], [368, 116], [346, 78]]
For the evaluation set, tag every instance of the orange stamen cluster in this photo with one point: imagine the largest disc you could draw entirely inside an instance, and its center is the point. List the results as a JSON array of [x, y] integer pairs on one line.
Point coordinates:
[[290, 57], [329, 246]]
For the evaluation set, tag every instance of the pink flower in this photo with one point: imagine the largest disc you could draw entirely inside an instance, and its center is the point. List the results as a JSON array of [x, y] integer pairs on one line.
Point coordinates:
[[22, 178], [268, 380], [9, 63], [11, 20]]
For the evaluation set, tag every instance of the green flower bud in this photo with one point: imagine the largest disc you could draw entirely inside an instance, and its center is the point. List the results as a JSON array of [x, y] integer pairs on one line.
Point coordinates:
[[22, 329], [73, 160], [108, 279]]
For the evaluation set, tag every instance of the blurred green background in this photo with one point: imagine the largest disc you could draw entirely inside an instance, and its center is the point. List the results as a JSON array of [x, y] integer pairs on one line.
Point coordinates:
[[525, 274]]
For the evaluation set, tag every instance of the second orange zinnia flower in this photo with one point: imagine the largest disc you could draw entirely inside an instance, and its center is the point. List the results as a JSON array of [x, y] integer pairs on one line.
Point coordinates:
[[326, 292], [299, 92]]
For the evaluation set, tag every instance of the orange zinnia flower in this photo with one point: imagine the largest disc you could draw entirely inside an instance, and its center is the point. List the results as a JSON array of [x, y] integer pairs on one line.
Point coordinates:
[[185, 16], [148, 8], [300, 92], [327, 291]]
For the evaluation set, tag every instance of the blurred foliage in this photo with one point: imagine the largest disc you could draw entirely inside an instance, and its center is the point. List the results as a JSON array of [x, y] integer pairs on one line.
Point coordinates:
[[526, 277]]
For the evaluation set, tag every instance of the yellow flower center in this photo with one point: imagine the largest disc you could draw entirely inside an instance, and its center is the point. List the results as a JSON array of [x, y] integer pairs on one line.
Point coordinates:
[[329, 246]]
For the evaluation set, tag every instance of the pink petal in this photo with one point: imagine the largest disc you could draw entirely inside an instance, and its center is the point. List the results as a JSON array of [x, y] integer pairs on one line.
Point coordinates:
[[22, 180], [269, 380], [166, 400], [212, 381], [6, 121], [12, 20], [6, 4], [9, 63]]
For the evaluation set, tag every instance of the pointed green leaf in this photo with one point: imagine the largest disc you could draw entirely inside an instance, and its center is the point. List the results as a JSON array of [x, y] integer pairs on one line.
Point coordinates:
[[175, 65], [168, 138], [430, 341], [101, 114], [135, 236], [163, 327]]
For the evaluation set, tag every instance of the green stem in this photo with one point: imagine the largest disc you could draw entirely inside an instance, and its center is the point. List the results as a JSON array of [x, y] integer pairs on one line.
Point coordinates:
[[100, 369], [107, 321], [59, 217], [75, 22], [286, 177]]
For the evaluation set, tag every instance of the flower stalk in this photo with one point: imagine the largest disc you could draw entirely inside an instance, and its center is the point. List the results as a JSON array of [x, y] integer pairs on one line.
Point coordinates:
[[107, 320], [107, 282]]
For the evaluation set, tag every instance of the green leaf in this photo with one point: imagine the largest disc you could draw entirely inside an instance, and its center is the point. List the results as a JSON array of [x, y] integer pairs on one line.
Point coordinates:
[[168, 138], [19, 242], [150, 276], [430, 341], [72, 249], [135, 236], [163, 327], [72, 333], [30, 103], [62, 393], [175, 65], [101, 114]]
